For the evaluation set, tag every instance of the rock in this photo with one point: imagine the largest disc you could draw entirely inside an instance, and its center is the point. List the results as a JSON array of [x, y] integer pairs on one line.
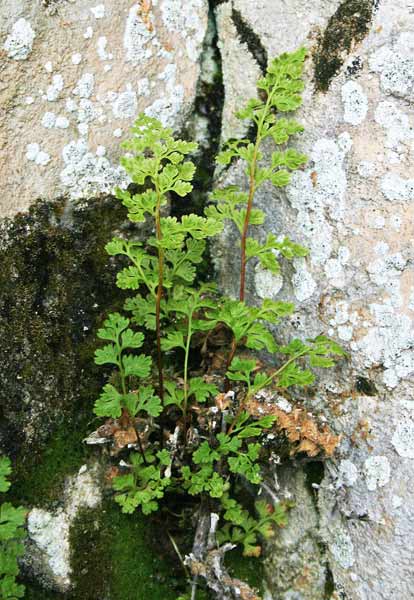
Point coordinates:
[[74, 75], [73, 80], [295, 567], [352, 207], [48, 547], [235, 58], [57, 282]]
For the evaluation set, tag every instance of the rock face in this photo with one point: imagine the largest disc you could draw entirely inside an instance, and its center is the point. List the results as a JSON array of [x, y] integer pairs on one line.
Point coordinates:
[[74, 73], [74, 76], [353, 208], [48, 554]]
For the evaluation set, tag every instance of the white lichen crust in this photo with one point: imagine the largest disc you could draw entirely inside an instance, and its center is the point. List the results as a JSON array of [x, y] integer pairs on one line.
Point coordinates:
[[49, 531], [353, 207], [109, 62]]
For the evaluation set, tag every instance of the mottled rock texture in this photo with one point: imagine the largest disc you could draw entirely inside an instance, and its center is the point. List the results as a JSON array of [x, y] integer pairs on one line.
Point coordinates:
[[353, 208], [48, 544], [74, 74]]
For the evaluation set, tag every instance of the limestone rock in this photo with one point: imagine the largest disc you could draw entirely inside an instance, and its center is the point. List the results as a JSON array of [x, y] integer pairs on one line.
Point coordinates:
[[48, 554], [295, 566], [74, 76], [236, 58], [352, 207]]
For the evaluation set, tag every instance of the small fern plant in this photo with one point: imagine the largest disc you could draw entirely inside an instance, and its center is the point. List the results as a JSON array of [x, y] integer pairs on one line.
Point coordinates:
[[12, 532], [188, 436]]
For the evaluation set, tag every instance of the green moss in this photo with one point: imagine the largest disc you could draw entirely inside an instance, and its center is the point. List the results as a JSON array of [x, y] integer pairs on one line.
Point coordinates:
[[57, 284], [121, 557], [249, 37], [246, 568], [39, 477], [34, 592], [347, 26]]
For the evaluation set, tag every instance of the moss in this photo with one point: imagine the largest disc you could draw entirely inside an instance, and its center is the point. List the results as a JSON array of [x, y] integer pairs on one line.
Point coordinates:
[[118, 556], [34, 592], [39, 477], [347, 27], [330, 583], [245, 568], [366, 387], [251, 39], [57, 284]]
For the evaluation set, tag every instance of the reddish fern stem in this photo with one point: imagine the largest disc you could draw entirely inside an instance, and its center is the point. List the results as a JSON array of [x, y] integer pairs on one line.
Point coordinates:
[[243, 260], [159, 296]]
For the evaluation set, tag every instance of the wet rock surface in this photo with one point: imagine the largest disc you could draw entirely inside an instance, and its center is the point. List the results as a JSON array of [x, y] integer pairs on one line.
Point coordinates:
[[56, 280]]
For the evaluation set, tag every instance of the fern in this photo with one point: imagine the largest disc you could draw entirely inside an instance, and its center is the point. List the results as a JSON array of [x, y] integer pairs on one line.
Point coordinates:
[[12, 532], [188, 436]]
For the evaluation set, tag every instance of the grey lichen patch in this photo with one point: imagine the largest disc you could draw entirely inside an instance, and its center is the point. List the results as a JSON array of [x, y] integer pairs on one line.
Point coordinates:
[[396, 125], [347, 26], [320, 205], [48, 554], [377, 472], [18, 44], [342, 549], [403, 438], [347, 473], [355, 103], [395, 65], [179, 17], [137, 37], [86, 173], [395, 187]]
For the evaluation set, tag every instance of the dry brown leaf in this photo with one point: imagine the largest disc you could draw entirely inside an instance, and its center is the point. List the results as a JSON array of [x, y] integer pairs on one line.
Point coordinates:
[[124, 437], [111, 473], [144, 11], [300, 429]]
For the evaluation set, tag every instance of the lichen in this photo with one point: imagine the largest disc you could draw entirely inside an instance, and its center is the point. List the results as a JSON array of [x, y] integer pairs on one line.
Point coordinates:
[[355, 103], [342, 549], [54, 89], [320, 203], [396, 125], [377, 472], [98, 11], [85, 173], [48, 548], [347, 473], [136, 38], [184, 18], [403, 438], [347, 27], [395, 187], [18, 44], [395, 65]]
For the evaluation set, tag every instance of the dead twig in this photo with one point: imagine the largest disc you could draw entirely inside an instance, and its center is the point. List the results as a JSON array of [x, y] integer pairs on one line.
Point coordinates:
[[207, 561]]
